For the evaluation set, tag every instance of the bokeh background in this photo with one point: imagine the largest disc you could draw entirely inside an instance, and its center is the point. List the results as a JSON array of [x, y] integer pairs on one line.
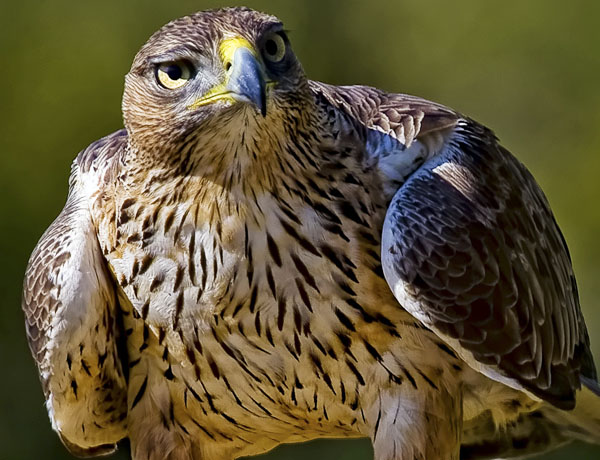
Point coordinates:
[[530, 70]]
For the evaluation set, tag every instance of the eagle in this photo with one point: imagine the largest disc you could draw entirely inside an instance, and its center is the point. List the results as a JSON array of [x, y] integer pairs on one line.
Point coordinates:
[[258, 258]]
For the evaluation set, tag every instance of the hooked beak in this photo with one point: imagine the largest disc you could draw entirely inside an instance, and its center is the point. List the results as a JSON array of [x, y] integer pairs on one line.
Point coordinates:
[[245, 81]]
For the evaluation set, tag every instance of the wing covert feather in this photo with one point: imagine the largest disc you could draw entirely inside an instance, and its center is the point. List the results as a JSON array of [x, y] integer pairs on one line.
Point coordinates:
[[71, 316], [401, 116], [471, 247]]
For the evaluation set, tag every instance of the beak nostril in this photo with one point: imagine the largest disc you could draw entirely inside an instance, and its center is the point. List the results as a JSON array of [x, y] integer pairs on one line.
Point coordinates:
[[245, 80]]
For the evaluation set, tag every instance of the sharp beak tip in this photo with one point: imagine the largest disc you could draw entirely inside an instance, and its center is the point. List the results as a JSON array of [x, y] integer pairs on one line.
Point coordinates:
[[263, 107], [247, 79]]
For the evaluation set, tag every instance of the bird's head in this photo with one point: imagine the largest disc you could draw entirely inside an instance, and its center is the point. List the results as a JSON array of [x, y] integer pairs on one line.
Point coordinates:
[[213, 75]]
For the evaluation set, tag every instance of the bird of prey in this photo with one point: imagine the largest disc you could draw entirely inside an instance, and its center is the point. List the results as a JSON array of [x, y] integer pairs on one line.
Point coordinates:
[[258, 258]]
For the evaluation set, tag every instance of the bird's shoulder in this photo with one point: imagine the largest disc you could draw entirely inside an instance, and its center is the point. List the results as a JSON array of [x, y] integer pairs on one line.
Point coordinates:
[[400, 116], [101, 156], [70, 310], [470, 244]]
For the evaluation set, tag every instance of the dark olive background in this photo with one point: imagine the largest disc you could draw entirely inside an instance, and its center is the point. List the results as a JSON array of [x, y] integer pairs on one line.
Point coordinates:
[[530, 70]]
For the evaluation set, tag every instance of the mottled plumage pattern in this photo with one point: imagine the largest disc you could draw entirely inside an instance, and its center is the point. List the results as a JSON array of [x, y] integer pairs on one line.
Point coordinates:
[[258, 258], [488, 266], [72, 317]]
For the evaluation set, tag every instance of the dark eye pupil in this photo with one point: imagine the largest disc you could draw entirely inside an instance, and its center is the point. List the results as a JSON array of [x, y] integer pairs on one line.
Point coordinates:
[[174, 72], [271, 47]]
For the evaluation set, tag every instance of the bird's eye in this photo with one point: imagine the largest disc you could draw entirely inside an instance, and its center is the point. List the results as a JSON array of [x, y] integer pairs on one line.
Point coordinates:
[[274, 48], [173, 75]]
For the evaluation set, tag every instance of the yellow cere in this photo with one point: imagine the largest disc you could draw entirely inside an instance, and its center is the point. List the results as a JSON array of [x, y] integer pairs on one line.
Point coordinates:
[[227, 49], [229, 46]]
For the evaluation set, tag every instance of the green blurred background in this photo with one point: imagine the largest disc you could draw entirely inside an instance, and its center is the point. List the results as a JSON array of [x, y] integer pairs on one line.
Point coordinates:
[[528, 69]]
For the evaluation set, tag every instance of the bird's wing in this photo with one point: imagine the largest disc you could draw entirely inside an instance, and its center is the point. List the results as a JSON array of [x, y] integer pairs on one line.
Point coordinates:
[[71, 315], [470, 246]]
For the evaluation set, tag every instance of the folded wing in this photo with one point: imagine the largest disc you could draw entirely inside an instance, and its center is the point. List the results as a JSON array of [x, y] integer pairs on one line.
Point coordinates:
[[470, 246], [71, 315]]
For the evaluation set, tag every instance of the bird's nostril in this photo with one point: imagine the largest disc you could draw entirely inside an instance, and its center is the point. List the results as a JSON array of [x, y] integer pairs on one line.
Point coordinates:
[[228, 66]]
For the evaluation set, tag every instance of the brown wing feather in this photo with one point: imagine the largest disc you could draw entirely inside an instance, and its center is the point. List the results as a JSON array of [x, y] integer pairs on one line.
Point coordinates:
[[472, 243], [71, 317], [400, 115], [471, 238], [38, 302]]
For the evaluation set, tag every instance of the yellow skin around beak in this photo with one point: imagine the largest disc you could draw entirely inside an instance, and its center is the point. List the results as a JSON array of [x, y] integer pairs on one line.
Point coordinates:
[[244, 79], [229, 46]]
